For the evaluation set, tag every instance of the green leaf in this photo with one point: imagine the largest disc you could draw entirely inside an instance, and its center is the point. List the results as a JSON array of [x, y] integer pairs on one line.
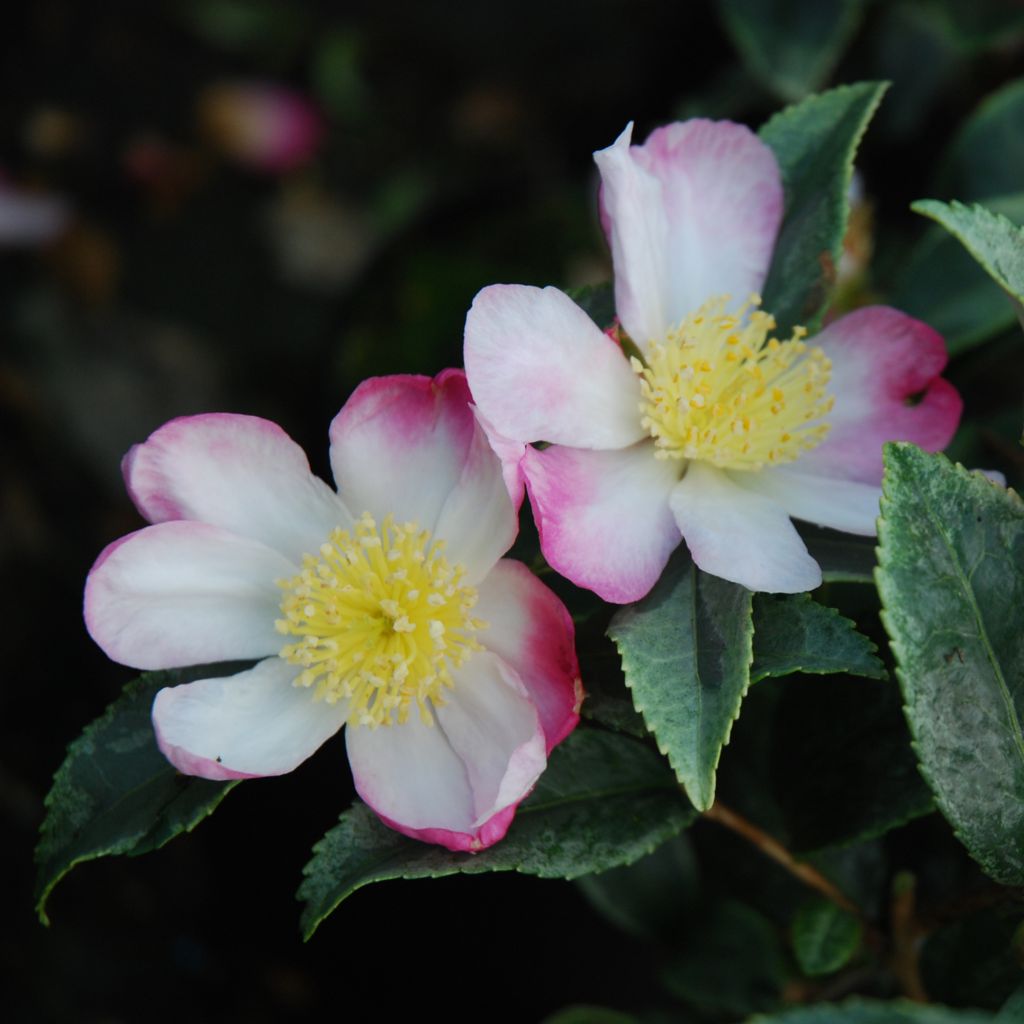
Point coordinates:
[[951, 578], [791, 46], [590, 1015], [604, 800], [794, 633], [116, 793], [987, 157], [942, 285], [993, 240], [732, 963], [814, 143], [1012, 1011], [841, 765], [686, 651], [862, 1011], [843, 558], [825, 937]]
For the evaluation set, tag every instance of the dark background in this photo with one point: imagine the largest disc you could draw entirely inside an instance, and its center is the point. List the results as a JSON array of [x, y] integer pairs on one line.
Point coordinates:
[[456, 154]]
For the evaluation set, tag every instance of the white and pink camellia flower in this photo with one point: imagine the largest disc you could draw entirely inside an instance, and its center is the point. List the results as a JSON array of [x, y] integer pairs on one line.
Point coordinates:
[[386, 606], [712, 431]]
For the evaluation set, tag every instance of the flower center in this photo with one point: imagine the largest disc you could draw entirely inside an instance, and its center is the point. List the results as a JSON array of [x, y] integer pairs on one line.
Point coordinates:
[[717, 388], [382, 619]]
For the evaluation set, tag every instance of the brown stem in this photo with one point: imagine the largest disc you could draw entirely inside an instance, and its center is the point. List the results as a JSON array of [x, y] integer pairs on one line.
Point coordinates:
[[907, 937], [771, 847]]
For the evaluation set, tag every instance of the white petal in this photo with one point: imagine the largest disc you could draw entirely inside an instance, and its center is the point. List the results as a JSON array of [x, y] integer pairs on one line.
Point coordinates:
[[846, 505], [740, 536], [250, 724]]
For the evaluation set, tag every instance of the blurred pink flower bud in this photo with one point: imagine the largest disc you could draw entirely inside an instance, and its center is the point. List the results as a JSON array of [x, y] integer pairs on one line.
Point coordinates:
[[262, 126]]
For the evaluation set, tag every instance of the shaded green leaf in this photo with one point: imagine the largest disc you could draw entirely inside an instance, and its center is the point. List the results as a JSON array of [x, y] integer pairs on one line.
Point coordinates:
[[951, 577], [987, 156], [843, 557], [794, 633], [993, 240], [842, 767], [946, 288], [732, 963], [597, 301], [791, 45], [603, 801], [814, 142], [589, 1015], [825, 937], [1012, 1011], [686, 651], [116, 793], [862, 1011]]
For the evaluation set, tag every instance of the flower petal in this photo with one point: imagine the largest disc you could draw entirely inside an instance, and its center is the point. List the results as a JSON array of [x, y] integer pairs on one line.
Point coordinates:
[[243, 726], [886, 383], [739, 535], [530, 629], [410, 446], [633, 215], [721, 196], [603, 516], [456, 782], [847, 505], [184, 593], [542, 370], [239, 472], [511, 454]]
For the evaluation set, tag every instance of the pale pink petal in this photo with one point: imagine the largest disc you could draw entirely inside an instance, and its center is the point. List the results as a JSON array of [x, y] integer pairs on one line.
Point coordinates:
[[721, 196], [511, 454], [886, 383], [247, 725], [847, 505], [741, 536], [542, 370], [603, 516], [410, 446], [239, 472], [633, 213], [455, 782], [185, 593], [530, 629]]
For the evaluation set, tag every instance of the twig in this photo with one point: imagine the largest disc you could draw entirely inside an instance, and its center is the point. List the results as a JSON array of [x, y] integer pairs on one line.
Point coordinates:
[[907, 937], [771, 847]]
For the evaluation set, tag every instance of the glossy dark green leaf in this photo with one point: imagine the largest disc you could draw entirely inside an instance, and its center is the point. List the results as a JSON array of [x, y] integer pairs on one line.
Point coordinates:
[[686, 652], [791, 45], [951, 577], [995, 242], [987, 156], [603, 801], [794, 633], [944, 286], [825, 937], [116, 793], [815, 142]]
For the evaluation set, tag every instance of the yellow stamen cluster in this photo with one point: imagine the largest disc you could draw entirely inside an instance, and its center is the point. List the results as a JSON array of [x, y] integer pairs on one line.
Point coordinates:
[[717, 388], [383, 618]]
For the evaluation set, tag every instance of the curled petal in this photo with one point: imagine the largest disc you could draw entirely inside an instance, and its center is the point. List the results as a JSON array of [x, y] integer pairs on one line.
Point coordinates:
[[542, 370], [739, 535], [242, 473], [184, 593], [603, 516], [243, 726], [885, 378], [457, 781]]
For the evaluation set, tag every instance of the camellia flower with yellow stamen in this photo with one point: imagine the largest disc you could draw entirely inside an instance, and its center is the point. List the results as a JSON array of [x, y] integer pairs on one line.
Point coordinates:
[[386, 606], [705, 426]]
